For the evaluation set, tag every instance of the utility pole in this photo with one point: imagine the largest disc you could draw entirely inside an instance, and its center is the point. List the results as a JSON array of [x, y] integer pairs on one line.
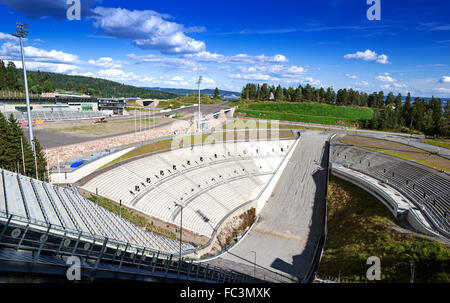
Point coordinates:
[[199, 112], [181, 224], [22, 32], [23, 157]]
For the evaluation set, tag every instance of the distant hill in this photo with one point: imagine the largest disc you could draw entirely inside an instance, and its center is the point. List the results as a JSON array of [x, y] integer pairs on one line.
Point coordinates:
[[224, 94], [103, 88]]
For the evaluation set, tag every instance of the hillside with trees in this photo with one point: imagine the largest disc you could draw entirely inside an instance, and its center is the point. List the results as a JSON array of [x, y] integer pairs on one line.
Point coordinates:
[[11, 79], [16, 153], [428, 116]]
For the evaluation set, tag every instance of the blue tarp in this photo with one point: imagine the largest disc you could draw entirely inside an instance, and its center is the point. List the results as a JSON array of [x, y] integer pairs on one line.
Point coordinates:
[[76, 164]]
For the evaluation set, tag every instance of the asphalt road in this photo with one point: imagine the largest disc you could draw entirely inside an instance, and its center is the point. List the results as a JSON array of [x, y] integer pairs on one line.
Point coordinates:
[[285, 238]]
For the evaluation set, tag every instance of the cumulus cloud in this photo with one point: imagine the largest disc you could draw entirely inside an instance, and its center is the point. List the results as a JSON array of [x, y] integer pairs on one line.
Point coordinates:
[[48, 67], [445, 79], [368, 55], [385, 78], [147, 29], [11, 51], [8, 37], [106, 62]]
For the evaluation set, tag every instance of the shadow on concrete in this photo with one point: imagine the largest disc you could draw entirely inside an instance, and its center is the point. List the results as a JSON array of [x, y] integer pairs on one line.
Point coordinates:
[[304, 264]]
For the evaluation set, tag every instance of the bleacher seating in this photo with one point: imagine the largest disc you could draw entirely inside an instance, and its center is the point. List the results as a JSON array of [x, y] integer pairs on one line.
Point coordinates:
[[57, 115], [209, 181], [42, 202], [424, 187]]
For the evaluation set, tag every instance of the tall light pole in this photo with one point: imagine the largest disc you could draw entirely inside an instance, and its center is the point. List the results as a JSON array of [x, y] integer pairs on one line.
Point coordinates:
[[22, 32], [181, 223], [199, 113], [254, 265]]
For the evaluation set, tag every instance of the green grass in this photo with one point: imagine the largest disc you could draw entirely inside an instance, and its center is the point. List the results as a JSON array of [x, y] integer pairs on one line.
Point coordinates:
[[142, 150], [359, 226], [307, 112], [444, 143], [188, 100]]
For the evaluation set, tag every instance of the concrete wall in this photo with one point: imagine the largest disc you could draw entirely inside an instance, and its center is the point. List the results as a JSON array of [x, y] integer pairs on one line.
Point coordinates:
[[265, 195], [83, 171], [65, 153]]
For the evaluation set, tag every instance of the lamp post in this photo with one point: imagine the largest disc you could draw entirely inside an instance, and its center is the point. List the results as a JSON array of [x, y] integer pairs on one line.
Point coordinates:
[[22, 32], [199, 113], [254, 265], [181, 224]]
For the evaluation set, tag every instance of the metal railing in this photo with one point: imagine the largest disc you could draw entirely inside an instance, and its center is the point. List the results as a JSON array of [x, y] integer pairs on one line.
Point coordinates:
[[38, 238]]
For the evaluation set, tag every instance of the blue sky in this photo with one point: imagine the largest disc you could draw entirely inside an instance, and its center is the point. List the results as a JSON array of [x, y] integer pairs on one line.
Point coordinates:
[[170, 43]]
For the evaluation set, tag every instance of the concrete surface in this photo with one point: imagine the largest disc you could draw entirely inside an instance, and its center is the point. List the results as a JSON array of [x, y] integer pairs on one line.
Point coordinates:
[[285, 237]]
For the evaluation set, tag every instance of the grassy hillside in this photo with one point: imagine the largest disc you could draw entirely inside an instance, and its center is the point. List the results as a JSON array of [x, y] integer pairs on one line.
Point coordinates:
[[102, 87], [359, 226], [307, 112]]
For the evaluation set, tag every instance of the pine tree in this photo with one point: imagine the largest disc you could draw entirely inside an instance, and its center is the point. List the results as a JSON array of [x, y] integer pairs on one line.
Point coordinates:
[[216, 94], [41, 161], [3, 80], [279, 96]]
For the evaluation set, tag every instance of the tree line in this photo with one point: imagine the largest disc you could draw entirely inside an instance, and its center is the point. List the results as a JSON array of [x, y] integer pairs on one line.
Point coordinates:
[[390, 113], [16, 153], [11, 79]]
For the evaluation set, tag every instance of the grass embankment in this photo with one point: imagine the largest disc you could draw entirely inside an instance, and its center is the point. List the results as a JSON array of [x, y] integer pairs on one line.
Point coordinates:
[[264, 124], [359, 226], [142, 150], [399, 150], [307, 112], [188, 100], [444, 143], [131, 216], [198, 139], [109, 128]]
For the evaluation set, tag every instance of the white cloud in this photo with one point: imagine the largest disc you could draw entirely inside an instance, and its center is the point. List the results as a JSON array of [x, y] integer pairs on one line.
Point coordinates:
[[443, 90], [48, 67], [254, 76], [248, 59], [445, 79], [311, 81], [368, 55], [169, 63], [351, 76], [147, 29], [11, 51], [8, 37], [362, 83], [107, 62], [385, 78]]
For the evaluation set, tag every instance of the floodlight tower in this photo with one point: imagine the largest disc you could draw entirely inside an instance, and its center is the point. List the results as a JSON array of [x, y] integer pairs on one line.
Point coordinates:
[[22, 32], [199, 113]]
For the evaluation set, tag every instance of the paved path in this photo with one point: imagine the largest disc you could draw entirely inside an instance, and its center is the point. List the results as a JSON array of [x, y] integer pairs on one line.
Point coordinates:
[[286, 235]]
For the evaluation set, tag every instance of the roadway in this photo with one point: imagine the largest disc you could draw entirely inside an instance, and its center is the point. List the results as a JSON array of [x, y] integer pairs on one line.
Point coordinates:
[[284, 248]]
